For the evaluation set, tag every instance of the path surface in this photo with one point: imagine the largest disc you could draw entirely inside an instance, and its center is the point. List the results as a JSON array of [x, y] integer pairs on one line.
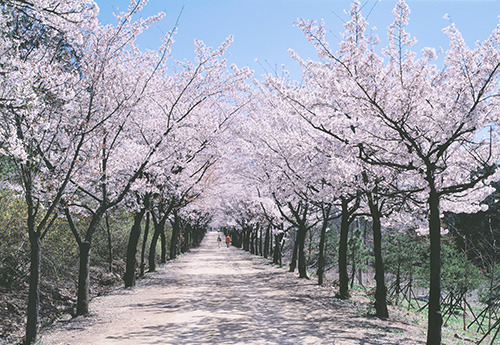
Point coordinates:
[[226, 296]]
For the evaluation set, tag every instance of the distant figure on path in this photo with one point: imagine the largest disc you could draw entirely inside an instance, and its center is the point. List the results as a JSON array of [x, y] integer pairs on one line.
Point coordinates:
[[228, 241], [219, 241]]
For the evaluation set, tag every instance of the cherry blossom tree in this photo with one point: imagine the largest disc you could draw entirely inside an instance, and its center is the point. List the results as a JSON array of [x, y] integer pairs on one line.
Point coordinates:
[[147, 108], [41, 52], [329, 170], [412, 117], [118, 79]]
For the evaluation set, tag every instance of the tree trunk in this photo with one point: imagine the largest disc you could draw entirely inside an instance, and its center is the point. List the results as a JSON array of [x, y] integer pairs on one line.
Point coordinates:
[[344, 234], [159, 226], [246, 239], [410, 287], [82, 304], [135, 234], [163, 245], [280, 246], [301, 239], [464, 296], [380, 289], [260, 241], [144, 241], [110, 245], [252, 241], [293, 263], [353, 272], [175, 235], [434, 318], [256, 240], [34, 288], [271, 243], [266, 241], [277, 251]]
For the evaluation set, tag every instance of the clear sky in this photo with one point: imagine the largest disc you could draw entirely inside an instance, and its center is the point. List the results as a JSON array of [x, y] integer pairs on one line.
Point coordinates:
[[263, 29]]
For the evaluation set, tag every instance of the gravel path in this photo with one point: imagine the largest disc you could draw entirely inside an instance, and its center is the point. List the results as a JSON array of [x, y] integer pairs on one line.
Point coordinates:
[[226, 296]]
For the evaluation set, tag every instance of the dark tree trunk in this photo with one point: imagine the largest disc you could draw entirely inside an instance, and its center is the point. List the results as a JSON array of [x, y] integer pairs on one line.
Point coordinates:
[[280, 246], [110, 245], [260, 241], [246, 239], [159, 228], [175, 235], [252, 241], [266, 242], [380, 289], [434, 318], [34, 288], [144, 241], [255, 241], [293, 263], [163, 245], [277, 250], [82, 303], [301, 239], [135, 234], [344, 234], [271, 246]]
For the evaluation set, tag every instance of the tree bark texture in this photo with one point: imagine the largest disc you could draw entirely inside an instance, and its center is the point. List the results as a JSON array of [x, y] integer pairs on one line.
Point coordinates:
[[82, 304], [175, 235], [163, 245], [144, 241], [261, 235], [135, 233], [380, 289], [34, 288], [110, 244], [434, 318], [266, 242], [277, 250], [293, 262], [344, 234], [301, 239], [159, 226]]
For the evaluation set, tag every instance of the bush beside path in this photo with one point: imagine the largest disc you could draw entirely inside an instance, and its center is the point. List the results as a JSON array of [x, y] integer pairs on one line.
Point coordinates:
[[226, 296]]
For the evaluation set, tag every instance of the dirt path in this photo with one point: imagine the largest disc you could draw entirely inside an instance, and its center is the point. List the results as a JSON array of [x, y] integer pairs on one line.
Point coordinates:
[[226, 296]]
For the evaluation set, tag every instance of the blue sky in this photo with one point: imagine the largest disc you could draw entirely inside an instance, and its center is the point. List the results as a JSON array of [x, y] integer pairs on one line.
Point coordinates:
[[263, 29]]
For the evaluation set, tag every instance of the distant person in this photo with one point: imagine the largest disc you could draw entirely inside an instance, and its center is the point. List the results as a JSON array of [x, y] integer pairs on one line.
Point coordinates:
[[228, 241], [219, 241]]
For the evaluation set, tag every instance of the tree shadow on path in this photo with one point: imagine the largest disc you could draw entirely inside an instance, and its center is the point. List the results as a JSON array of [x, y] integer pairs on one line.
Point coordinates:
[[228, 296]]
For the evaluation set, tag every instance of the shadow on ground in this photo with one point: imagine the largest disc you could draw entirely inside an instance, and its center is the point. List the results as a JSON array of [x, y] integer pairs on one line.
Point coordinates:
[[227, 296]]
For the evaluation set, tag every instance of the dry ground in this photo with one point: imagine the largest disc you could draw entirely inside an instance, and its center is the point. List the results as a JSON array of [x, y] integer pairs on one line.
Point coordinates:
[[226, 296]]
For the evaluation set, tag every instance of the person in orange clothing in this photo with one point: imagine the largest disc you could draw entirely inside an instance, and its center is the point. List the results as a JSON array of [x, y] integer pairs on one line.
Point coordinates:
[[228, 241]]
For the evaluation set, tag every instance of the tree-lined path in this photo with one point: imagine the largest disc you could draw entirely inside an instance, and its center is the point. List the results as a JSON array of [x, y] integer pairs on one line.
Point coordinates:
[[226, 296]]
